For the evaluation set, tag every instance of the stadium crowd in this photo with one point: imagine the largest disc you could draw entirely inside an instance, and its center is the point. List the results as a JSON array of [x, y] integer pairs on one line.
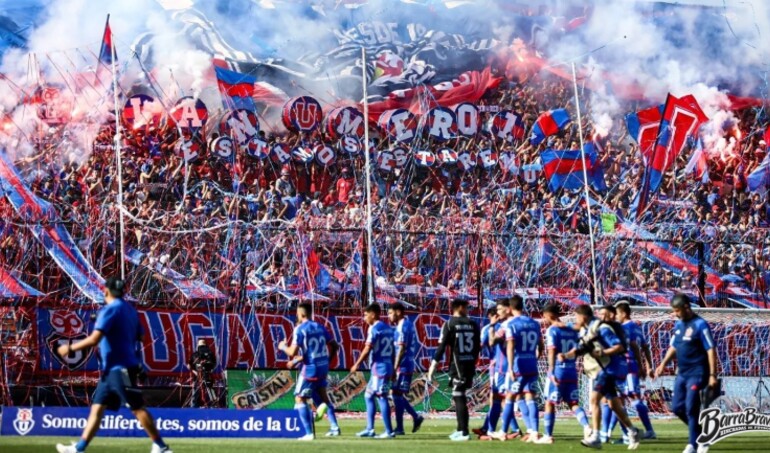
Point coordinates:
[[188, 215]]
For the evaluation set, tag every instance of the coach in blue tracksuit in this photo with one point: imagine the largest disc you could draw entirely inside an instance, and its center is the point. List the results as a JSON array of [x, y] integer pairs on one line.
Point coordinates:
[[696, 357]]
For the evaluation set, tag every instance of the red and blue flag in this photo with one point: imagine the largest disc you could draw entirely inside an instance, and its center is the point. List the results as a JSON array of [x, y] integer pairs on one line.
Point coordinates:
[[549, 123], [643, 127], [106, 50], [681, 119], [564, 169], [237, 89]]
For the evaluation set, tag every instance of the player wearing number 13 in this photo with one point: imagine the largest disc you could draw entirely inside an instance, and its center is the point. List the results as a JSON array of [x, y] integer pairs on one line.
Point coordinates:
[[312, 344], [463, 337]]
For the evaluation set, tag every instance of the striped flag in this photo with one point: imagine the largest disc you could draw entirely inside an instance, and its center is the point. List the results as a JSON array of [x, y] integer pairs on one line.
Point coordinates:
[[106, 50]]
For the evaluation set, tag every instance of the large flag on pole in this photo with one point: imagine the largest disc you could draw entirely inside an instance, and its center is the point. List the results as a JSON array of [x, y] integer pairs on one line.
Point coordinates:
[[106, 50], [681, 119]]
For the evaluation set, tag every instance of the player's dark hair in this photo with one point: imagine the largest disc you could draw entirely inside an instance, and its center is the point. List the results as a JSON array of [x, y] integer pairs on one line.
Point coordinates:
[[373, 308], [491, 312], [504, 303], [624, 306], [307, 307], [517, 303], [553, 309], [609, 308], [680, 300], [397, 306], [457, 303], [584, 310], [115, 286]]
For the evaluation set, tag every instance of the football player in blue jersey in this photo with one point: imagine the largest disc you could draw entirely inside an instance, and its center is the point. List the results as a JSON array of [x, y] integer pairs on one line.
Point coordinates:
[[311, 344], [602, 353], [406, 357], [607, 316], [693, 346], [639, 360], [380, 349], [524, 344], [495, 398], [562, 382], [117, 332]]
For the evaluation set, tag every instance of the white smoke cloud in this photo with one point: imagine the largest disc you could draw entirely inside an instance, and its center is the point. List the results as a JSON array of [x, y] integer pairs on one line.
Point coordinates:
[[681, 50]]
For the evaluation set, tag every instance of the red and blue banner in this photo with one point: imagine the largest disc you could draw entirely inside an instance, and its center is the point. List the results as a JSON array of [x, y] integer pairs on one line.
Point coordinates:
[[239, 340], [245, 340], [547, 124], [13, 288], [237, 89], [564, 169], [52, 235]]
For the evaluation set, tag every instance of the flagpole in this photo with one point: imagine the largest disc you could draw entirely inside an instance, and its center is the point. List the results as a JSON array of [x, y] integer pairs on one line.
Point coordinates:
[[367, 173], [585, 188], [118, 160]]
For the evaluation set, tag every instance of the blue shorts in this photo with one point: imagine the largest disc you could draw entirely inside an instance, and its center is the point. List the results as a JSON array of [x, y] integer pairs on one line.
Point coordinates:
[[497, 382], [117, 388], [521, 384], [378, 385], [605, 384], [403, 383], [630, 387], [307, 386], [621, 385], [563, 391]]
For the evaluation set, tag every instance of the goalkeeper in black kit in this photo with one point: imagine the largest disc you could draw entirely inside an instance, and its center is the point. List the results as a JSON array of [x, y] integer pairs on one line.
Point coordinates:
[[463, 337]]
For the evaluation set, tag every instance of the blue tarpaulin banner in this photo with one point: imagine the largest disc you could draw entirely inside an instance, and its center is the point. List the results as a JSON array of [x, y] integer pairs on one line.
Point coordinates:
[[70, 421]]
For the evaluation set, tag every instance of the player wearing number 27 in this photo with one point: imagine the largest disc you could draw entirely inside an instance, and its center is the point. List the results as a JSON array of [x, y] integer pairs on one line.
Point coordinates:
[[381, 351], [311, 343]]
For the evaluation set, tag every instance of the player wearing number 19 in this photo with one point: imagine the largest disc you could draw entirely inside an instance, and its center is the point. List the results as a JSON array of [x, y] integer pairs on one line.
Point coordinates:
[[524, 344], [379, 345], [313, 344]]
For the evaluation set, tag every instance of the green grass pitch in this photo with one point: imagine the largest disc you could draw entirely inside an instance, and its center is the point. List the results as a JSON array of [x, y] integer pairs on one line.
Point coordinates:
[[432, 437]]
